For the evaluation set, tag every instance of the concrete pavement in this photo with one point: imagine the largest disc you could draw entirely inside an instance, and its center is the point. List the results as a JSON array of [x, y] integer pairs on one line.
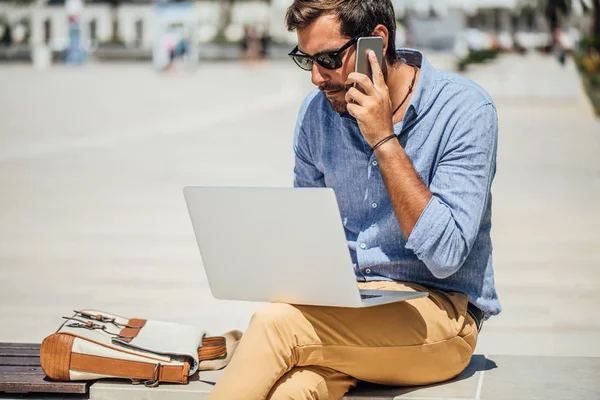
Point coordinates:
[[546, 210], [93, 160]]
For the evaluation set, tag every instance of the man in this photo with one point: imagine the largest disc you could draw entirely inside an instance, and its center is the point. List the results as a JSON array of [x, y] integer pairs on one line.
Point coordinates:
[[411, 157]]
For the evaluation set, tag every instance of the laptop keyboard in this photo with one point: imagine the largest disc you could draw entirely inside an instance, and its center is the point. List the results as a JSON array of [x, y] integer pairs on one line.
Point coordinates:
[[369, 296]]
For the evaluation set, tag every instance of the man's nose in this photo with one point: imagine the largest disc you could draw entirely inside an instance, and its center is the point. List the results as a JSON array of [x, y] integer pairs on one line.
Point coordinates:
[[319, 76]]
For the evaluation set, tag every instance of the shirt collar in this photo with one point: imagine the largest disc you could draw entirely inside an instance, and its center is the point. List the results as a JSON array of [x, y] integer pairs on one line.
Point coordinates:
[[424, 87]]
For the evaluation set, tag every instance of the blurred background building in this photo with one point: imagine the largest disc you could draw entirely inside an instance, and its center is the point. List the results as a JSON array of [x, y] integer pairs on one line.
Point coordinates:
[[128, 28]]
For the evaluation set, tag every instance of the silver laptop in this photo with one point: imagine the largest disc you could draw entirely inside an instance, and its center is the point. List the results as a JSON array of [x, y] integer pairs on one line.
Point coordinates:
[[284, 245]]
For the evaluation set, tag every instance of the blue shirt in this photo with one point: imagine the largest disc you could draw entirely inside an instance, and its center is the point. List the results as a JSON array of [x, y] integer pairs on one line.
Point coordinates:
[[450, 133]]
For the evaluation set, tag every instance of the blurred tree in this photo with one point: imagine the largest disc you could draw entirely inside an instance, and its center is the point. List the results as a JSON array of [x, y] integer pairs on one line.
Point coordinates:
[[556, 10], [596, 32]]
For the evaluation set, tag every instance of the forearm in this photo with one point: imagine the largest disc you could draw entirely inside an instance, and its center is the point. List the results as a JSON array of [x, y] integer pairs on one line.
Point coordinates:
[[408, 195]]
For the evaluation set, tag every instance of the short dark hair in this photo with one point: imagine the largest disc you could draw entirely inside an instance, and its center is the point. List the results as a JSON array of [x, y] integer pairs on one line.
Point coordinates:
[[355, 16]]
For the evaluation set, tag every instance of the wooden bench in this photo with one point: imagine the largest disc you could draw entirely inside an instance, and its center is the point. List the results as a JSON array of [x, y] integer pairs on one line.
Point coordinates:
[[486, 378], [21, 373]]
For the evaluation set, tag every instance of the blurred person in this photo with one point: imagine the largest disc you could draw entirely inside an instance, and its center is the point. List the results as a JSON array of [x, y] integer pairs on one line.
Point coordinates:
[[517, 45], [265, 43], [251, 47], [6, 35], [175, 44], [245, 39], [168, 44], [568, 39], [411, 158], [561, 46], [20, 33], [47, 32], [494, 43], [181, 48]]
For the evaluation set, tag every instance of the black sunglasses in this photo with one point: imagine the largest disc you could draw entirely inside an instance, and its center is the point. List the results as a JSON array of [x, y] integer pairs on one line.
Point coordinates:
[[326, 59]]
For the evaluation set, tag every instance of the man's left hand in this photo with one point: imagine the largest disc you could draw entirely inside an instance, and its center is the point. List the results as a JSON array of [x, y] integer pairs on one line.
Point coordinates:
[[373, 108]]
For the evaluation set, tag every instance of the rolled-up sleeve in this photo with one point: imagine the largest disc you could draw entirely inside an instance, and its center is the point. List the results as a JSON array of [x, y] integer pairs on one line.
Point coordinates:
[[448, 227]]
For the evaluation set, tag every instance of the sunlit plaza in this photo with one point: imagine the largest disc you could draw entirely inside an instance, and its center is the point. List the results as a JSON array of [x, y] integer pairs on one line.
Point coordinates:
[[94, 161], [95, 153]]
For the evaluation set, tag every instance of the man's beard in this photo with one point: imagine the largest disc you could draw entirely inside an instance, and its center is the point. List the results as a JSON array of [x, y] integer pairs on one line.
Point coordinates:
[[338, 103]]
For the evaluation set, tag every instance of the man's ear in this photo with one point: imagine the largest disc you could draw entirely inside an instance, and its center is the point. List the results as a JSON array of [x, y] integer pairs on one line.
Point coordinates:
[[381, 30]]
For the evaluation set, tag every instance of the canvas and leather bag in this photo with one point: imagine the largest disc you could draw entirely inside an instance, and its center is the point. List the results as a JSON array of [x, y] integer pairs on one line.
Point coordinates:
[[94, 344]]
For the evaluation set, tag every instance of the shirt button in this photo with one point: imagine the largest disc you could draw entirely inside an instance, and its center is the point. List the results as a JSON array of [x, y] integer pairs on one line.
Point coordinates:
[[368, 270], [374, 163], [374, 205], [363, 246]]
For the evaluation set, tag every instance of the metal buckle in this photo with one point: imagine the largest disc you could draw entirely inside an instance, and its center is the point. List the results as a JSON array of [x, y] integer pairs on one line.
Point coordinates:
[[97, 317], [152, 382]]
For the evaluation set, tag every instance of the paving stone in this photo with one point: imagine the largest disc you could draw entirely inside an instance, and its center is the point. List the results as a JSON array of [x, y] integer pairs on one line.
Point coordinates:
[[486, 378], [549, 378]]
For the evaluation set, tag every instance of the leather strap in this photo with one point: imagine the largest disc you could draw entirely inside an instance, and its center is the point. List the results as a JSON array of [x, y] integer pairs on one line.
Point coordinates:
[[477, 315], [212, 347], [133, 328], [129, 369]]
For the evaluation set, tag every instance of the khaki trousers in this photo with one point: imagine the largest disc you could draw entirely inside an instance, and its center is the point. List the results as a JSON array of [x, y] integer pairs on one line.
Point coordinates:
[[307, 352]]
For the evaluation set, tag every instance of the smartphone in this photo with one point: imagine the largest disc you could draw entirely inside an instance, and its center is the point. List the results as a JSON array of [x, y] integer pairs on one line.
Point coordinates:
[[363, 65]]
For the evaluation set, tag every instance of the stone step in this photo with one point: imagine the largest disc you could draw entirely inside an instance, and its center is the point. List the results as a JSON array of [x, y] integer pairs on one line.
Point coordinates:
[[486, 378]]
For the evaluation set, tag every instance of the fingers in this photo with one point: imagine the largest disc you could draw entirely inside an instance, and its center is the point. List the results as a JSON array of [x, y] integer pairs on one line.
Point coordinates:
[[353, 109], [378, 78], [355, 95], [363, 81], [357, 111]]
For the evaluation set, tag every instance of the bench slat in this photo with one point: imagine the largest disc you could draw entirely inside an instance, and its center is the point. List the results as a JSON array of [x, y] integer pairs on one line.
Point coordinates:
[[20, 346], [20, 372], [20, 369], [27, 361], [19, 352], [39, 384]]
